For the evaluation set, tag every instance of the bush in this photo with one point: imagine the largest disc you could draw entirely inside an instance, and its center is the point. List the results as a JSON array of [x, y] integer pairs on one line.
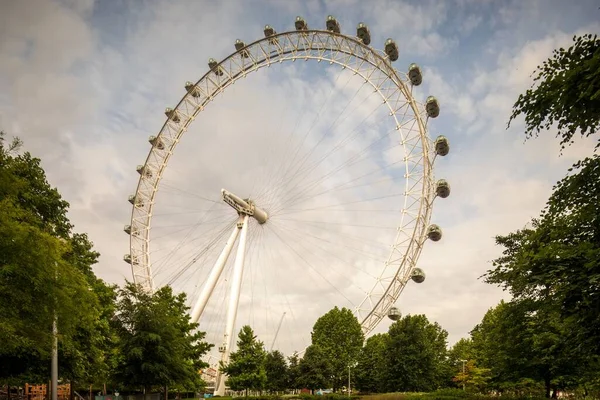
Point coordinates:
[[265, 397], [448, 393], [328, 396]]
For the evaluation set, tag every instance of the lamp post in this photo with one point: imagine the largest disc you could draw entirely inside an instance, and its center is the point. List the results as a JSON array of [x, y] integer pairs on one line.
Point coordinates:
[[54, 362], [350, 366], [463, 371]]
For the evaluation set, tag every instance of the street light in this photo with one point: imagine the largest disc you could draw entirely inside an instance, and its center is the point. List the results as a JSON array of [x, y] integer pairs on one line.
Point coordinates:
[[350, 366], [54, 359], [463, 371]]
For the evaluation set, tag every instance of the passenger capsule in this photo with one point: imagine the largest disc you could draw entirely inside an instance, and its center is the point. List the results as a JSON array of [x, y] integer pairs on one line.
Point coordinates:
[[192, 89], [417, 275], [414, 74], [432, 107], [127, 258], [156, 142], [215, 67], [300, 24], [239, 46], [332, 24], [434, 233], [442, 188], [391, 49], [270, 33], [442, 146], [136, 202], [394, 314], [173, 115], [362, 31], [130, 230], [142, 170]]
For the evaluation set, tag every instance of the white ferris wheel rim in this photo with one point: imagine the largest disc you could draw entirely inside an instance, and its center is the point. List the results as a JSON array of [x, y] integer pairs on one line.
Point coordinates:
[[320, 45]]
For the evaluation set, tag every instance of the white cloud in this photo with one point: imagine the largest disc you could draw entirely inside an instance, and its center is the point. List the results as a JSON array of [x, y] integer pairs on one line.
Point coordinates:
[[470, 23]]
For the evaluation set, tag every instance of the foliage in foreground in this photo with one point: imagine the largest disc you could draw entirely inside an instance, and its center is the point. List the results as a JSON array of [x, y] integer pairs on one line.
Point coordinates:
[[339, 335], [411, 356], [46, 272], [158, 344], [246, 367], [567, 93], [555, 264]]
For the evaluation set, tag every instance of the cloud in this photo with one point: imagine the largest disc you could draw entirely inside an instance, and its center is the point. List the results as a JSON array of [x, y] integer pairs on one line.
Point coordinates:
[[86, 97], [470, 23]]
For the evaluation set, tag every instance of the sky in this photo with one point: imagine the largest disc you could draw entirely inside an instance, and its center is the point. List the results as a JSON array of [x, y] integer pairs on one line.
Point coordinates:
[[84, 83]]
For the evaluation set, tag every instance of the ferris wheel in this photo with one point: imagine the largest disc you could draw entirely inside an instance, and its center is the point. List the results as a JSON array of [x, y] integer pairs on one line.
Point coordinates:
[[325, 203]]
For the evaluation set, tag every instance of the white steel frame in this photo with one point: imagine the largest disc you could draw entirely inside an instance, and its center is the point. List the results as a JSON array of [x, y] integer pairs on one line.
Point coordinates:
[[395, 90]]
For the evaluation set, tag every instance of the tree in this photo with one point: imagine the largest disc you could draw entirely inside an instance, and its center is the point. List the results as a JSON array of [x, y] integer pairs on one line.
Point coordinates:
[[370, 372], [294, 372], [501, 343], [315, 370], [567, 92], [52, 278], [518, 340], [556, 262], [473, 378], [157, 342], [416, 355], [276, 370], [246, 367], [88, 357], [339, 334], [462, 350]]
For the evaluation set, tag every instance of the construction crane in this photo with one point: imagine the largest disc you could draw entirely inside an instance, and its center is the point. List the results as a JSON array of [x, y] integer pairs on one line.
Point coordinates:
[[277, 331]]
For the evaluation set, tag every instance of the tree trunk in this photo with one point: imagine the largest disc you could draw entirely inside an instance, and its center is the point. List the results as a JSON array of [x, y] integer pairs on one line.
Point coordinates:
[[147, 392], [554, 392], [547, 384], [71, 391], [166, 392], [8, 392]]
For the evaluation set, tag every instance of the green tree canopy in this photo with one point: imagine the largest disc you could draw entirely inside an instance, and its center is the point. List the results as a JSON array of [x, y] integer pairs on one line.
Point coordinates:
[[556, 262], [294, 372], [566, 92], [517, 341], [370, 371], [246, 367], [277, 372], [501, 342], [338, 333], [472, 377], [462, 350], [315, 370], [416, 355], [157, 342], [45, 271]]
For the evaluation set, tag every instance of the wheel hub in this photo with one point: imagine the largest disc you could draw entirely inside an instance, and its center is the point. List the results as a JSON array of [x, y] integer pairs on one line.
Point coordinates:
[[245, 207]]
